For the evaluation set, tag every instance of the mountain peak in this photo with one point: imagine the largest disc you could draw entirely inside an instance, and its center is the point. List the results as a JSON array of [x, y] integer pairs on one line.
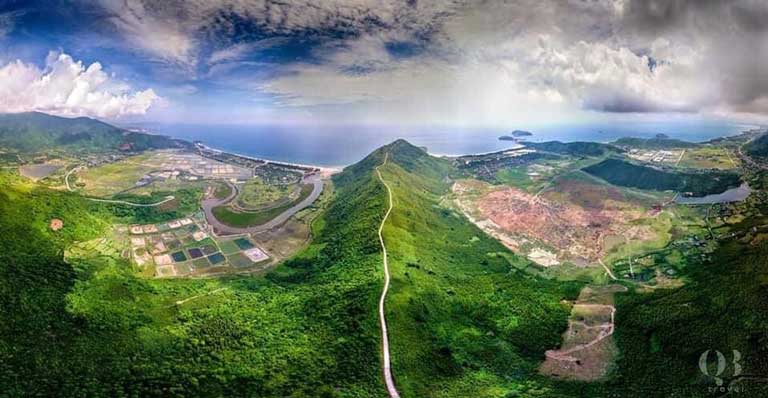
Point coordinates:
[[401, 146]]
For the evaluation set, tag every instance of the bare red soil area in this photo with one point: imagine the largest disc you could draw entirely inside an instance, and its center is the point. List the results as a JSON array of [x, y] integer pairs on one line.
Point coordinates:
[[574, 218]]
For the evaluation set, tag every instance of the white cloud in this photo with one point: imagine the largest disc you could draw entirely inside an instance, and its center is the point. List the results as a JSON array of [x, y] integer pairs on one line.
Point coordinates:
[[229, 54], [494, 61], [67, 87], [504, 62], [167, 39], [424, 90]]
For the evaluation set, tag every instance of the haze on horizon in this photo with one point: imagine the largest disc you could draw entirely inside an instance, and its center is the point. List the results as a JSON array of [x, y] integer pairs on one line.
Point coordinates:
[[415, 62]]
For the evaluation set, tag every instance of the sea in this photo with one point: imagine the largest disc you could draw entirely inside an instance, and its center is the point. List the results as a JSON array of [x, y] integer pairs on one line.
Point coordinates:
[[344, 145]]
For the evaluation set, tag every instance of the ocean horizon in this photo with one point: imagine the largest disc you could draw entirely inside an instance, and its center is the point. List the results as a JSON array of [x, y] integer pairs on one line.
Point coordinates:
[[342, 146]]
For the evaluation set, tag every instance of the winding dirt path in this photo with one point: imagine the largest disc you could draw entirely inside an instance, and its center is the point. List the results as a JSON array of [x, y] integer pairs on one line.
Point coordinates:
[[387, 367], [605, 330], [607, 270], [197, 296], [66, 177], [123, 202]]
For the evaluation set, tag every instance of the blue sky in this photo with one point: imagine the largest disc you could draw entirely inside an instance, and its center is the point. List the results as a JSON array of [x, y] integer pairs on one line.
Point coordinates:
[[416, 62]]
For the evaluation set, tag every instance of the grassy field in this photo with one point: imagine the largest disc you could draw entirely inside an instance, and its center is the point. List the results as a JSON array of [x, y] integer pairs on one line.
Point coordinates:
[[111, 178], [246, 219], [256, 194], [709, 157], [515, 176], [221, 190]]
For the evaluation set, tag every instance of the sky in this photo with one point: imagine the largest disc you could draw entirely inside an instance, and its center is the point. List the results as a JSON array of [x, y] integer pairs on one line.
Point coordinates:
[[376, 62]]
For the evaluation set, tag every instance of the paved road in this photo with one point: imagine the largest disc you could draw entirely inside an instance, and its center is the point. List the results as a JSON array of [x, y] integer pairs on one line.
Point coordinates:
[[387, 367], [221, 228]]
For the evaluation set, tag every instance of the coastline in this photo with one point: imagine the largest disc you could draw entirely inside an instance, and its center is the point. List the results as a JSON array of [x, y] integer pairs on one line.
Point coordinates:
[[321, 145], [337, 158], [324, 171], [447, 155]]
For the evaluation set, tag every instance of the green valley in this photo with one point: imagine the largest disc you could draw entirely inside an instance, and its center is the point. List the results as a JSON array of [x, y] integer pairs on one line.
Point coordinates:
[[492, 276]]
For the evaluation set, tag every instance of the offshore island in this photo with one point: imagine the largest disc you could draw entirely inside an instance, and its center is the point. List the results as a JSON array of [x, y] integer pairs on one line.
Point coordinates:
[[515, 135]]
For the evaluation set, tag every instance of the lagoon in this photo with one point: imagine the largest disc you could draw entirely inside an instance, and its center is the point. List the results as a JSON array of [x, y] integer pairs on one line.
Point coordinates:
[[732, 195]]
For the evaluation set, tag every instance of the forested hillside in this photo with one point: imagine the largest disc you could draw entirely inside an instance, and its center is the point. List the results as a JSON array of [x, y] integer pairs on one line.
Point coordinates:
[[622, 173], [35, 131], [90, 327], [758, 147], [463, 322]]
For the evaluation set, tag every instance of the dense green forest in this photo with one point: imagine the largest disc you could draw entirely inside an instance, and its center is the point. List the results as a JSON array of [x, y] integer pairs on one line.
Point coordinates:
[[622, 173], [758, 147], [463, 321], [35, 131]]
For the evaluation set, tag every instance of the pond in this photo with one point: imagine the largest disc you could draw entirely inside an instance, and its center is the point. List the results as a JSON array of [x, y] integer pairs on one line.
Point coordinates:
[[732, 195], [38, 171]]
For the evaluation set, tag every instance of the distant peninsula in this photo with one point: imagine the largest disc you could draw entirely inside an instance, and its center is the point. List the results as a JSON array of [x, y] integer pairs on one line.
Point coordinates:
[[515, 135]]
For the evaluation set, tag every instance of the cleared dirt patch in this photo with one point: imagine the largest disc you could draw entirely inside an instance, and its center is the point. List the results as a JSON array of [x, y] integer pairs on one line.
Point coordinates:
[[56, 224], [588, 349], [284, 241], [574, 220]]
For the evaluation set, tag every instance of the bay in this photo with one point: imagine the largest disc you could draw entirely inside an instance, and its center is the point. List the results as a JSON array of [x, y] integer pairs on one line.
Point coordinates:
[[344, 145]]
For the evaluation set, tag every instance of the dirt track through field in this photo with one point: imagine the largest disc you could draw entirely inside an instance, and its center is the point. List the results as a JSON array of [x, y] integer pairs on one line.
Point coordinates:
[[386, 367]]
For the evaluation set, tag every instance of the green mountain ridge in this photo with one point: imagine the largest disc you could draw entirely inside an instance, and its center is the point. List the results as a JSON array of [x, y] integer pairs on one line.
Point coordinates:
[[36, 131], [463, 321]]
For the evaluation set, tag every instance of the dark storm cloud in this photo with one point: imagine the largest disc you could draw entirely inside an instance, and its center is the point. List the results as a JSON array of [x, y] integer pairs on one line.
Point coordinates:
[[214, 24], [714, 15], [660, 15], [732, 36], [617, 102]]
